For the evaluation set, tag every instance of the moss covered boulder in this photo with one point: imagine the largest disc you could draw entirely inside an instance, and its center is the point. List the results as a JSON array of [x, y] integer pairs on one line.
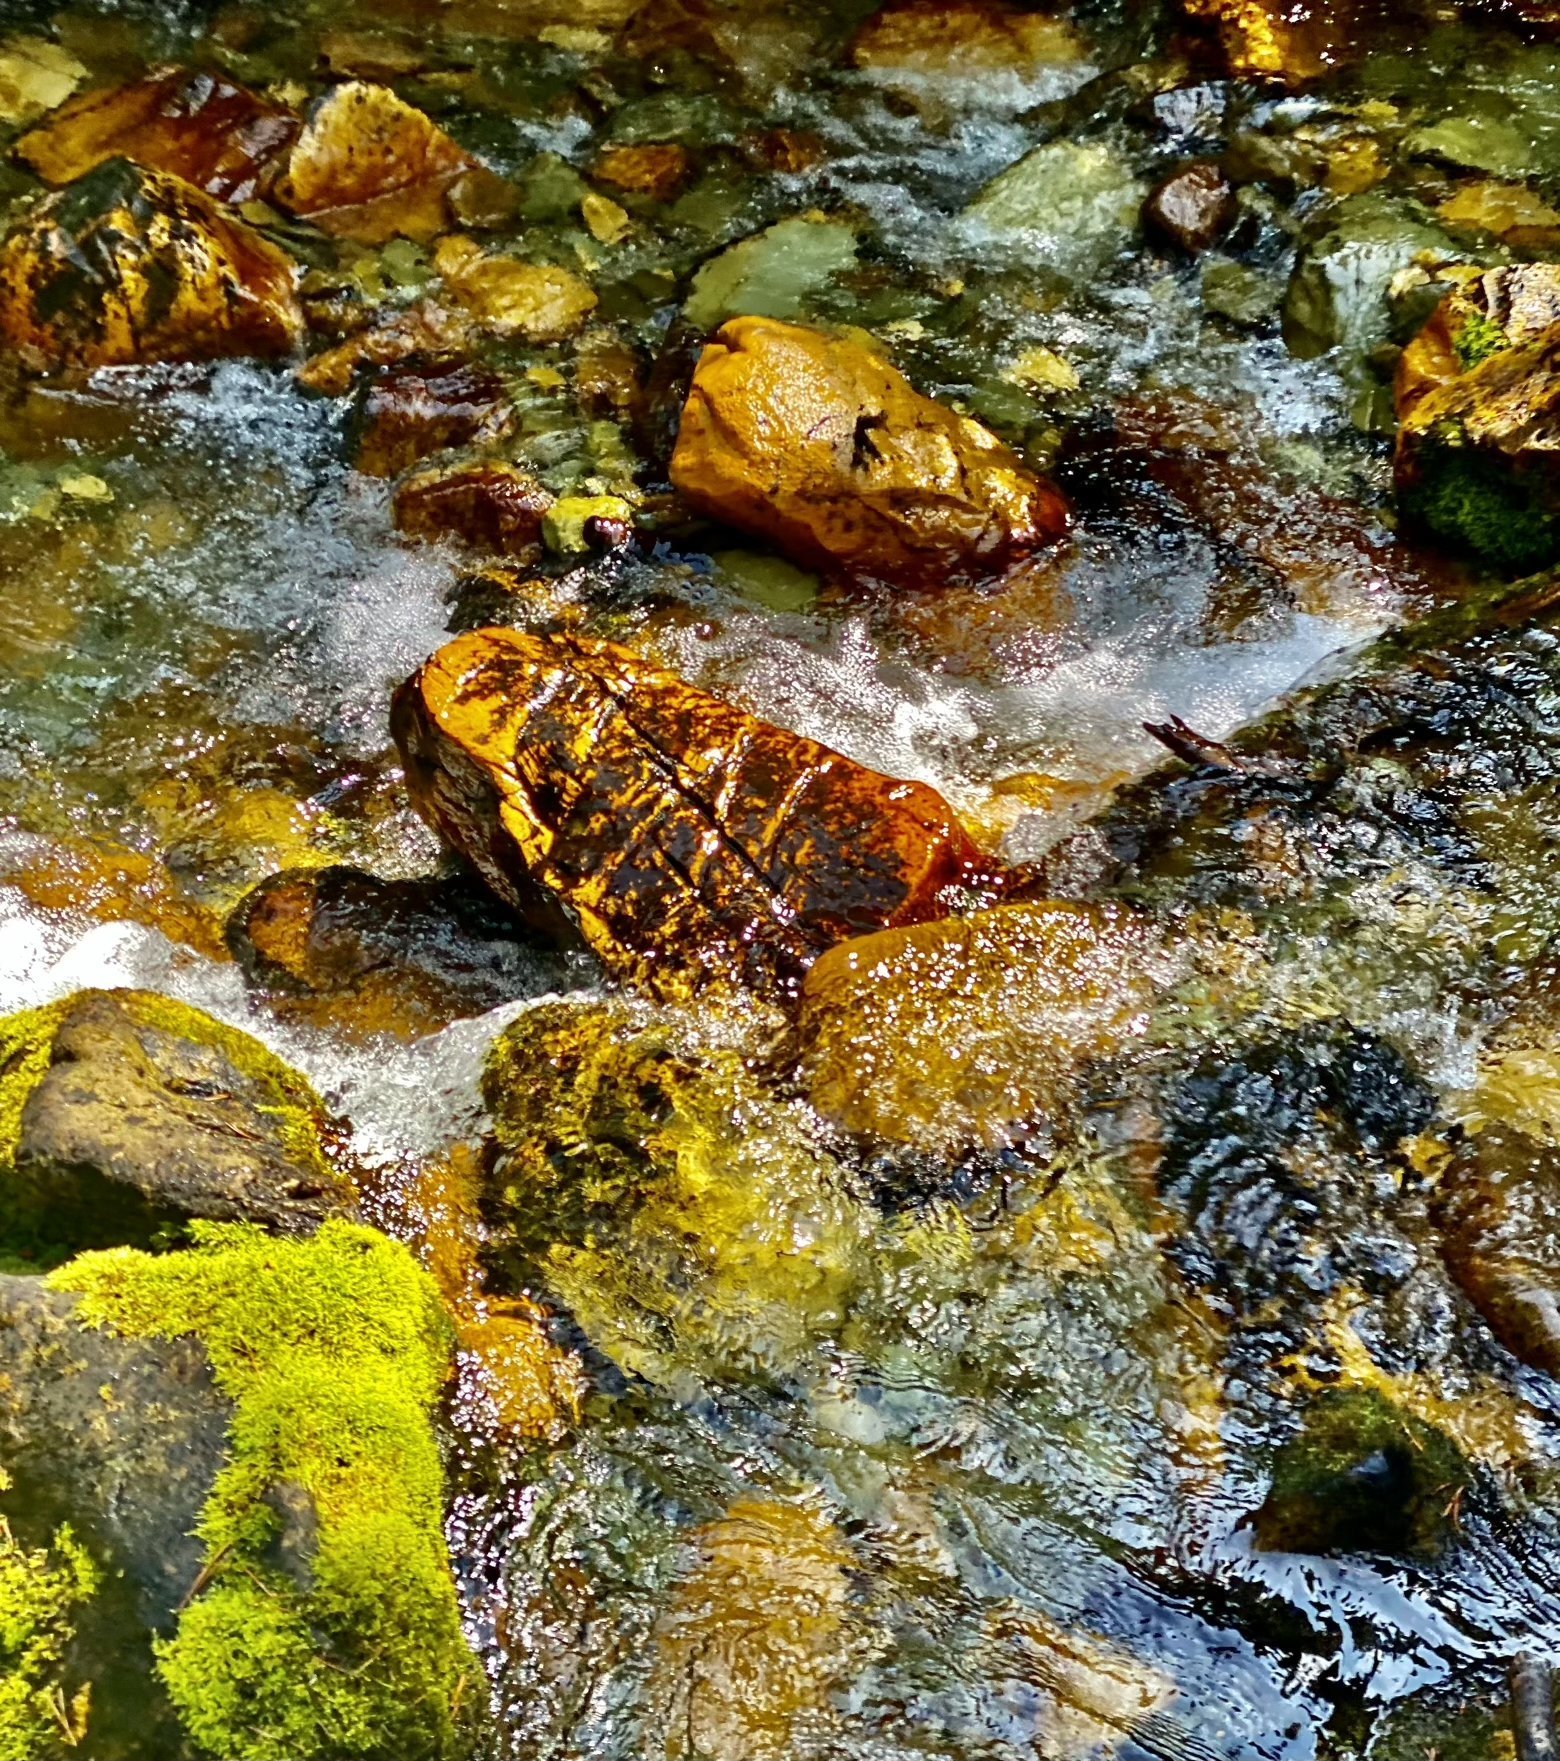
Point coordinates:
[[690, 843], [122, 1112], [127, 266]]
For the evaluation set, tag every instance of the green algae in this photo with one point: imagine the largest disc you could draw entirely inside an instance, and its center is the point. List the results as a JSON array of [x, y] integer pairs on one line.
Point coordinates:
[[41, 1717], [329, 1627], [1478, 339]]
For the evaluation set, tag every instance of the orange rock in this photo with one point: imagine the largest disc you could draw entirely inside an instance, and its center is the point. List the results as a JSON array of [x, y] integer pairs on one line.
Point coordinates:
[[128, 266], [951, 1035], [368, 166], [659, 170], [420, 407], [688, 842], [1488, 310], [423, 329], [484, 502], [822, 447], [114, 884], [1289, 42], [198, 126], [964, 39]]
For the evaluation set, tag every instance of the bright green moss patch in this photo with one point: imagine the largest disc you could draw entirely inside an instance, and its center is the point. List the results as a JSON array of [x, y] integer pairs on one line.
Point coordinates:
[[1478, 339], [25, 1042], [330, 1629], [1476, 504], [41, 1715]]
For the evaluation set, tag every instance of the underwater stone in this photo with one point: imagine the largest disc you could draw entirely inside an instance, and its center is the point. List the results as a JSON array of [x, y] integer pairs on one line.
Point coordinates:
[[1288, 42], [1193, 207], [127, 266], [822, 447], [197, 126], [657, 169], [485, 503], [690, 843], [122, 1112], [773, 273], [909, 42], [536, 302], [1080, 200], [368, 166], [419, 406], [1486, 311]]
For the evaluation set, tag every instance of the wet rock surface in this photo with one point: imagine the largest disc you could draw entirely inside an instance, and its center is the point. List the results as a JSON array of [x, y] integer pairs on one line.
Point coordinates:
[[825, 449], [126, 1114], [688, 843]]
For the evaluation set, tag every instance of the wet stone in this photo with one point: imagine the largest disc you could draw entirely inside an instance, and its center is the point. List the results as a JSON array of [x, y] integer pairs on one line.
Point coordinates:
[[927, 41], [127, 266], [484, 503], [689, 843], [1194, 207], [123, 1113], [200, 127], [1289, 42], [824, 449], [536, 302], [421, 407], [657, 169]]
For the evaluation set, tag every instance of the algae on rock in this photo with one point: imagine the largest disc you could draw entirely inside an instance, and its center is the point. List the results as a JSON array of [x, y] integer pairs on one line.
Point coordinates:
[[327, 1625]]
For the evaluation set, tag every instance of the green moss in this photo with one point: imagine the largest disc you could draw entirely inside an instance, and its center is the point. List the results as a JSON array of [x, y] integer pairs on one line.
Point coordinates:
[[1478, 339], [330, 1627], [40, 1716], [1478, 505], [25, 1044]]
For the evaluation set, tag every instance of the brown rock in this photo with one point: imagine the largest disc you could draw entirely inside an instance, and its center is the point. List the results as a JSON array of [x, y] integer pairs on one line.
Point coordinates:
[[1488, 310], [129, 266], [537, 302], [688, 842], [822, 447], [368, 166], [420, 407], [964, 39], [1194, 207], [658, 170], [198, 126], [484, 502], [789, 151], [423, 329], [946, 1036]]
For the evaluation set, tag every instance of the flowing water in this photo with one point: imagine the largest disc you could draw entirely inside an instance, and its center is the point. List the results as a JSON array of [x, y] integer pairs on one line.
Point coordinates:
[[989, 1489]]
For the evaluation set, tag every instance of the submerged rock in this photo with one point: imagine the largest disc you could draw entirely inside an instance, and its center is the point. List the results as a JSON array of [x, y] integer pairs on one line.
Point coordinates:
[[485, 503], [822, 447], [689, 842], [122, 1112], [925, 42], [129, 266], [1290, 42], [1475, 460], [689, 1221], [368, 166], [35, 75], [774, 273], [537, 302], [1079, 201], [1193, 207], [657, 169], [200, 127], [969, 1032], [418, 407]]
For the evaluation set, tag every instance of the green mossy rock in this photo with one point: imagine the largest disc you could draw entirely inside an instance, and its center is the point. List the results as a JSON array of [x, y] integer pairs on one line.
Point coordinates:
[[122, 1112], [324, 1625], [773, 274]]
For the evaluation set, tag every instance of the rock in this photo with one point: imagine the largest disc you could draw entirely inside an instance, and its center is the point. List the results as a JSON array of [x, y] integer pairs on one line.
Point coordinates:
[[689, 842], [485, 503], [774, 273], [1475, 459], [505, 297], [688, 1220], [128, 266], [368, 166], [1362, 1477], [35, 75], [1194, 207], [1510, 211], [122, 1112], [579, 524], [657, 169], [197, 126], [821, 447], [968, 1032], [422, 406], [916, 42], [751, 1642], [1287, 42], [406, 957], [1077, 201], [424, 329], [1486, 311]]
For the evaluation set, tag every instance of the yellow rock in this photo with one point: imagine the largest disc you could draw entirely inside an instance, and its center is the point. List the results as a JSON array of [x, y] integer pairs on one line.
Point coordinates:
[[35, 75], [1287, 41], [535, 301], [605, 221], [962, 40], [1042, 370], [128, 266], [369, 166], [819, 445], [964, 1032], [752, 1640], [1509, 210]]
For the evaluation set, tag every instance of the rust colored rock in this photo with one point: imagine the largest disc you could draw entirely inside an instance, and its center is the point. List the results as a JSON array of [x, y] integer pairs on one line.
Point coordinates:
[[689, 843], [1287, 42], [964, 39], [659, 170], [1487, 311], [1194, 207], [421, 407], [368, 166], [198, 126], [484, 502], [424, 329], [820, 446], [127, 266]]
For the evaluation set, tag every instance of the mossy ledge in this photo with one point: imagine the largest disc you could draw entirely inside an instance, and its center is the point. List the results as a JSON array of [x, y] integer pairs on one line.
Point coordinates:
[[328, 1628]]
